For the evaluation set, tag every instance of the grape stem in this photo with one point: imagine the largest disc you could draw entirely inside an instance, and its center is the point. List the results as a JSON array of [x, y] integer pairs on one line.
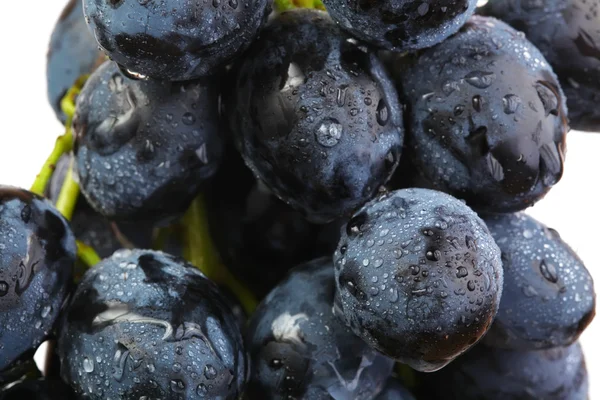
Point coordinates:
[[87, 254], [200, 251], [64, 143], [284, 5], [407, 375], [69, 193]]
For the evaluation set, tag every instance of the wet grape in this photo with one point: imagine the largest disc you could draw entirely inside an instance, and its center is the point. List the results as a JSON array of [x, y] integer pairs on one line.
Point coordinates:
[[487, 119], [317, 121], [143, 323], [418, 277]]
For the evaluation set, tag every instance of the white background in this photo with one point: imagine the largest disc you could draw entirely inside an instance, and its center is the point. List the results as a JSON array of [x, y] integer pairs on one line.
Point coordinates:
[[29, 129]]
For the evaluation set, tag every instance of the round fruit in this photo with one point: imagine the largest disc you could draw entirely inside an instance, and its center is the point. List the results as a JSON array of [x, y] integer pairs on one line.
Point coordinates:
[[497, 374], [567, 33], [72, 52], [315, 116], [300, 350], [487, 118], [418, 277], [145, 324], [144, 148], [172, 39], [401, 25], [548, 297], [37, 253]]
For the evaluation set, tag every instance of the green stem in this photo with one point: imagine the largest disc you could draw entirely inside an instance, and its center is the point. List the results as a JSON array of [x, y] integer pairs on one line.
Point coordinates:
[[407, 375], [63, 145], [200, 251], [69, 193], [87, 254], [284, 5], [67, 103]]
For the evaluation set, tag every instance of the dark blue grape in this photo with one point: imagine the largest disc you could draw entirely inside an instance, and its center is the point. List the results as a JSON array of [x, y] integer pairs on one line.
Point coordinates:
[[567, 32], [548, 297], [72, 52], [300, 350], [495, 374], [37, 253], [487, 119], [315, 116], [172, 39], [144, 148], [150, 325], [401, 25], [418, 277]]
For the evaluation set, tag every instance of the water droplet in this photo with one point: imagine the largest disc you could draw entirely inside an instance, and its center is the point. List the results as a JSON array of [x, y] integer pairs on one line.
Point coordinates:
[[529, 291], [46, 311], [458, 110], [382, 113], [115, 84], [188, 118], [202, 390], [26, 213], [551, 159], [511, 103], [415, 269], [355, 224], [461, 272], [3, 288], [210, 372], [548, 97], [176, 367], [495, 168], [378, 263], [548, 271], [423, 9], [88, 365], [177, 385], [471, 285], [202, 153], [434, 255], [340, 97], [233, 4], [368, 101], [119, 361], [478, 102], [450, 86], [329, 132], [527, 234], [480, 79]]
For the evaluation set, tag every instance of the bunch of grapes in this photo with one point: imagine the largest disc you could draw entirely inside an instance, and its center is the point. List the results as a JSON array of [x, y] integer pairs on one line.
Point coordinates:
[[298, 200]]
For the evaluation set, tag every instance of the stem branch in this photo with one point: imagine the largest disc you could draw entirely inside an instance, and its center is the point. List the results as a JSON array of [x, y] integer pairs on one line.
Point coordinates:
[[200, 251]]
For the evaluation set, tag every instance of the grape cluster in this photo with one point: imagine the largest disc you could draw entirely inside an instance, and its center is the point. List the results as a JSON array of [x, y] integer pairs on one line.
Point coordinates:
[[302, 200]]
